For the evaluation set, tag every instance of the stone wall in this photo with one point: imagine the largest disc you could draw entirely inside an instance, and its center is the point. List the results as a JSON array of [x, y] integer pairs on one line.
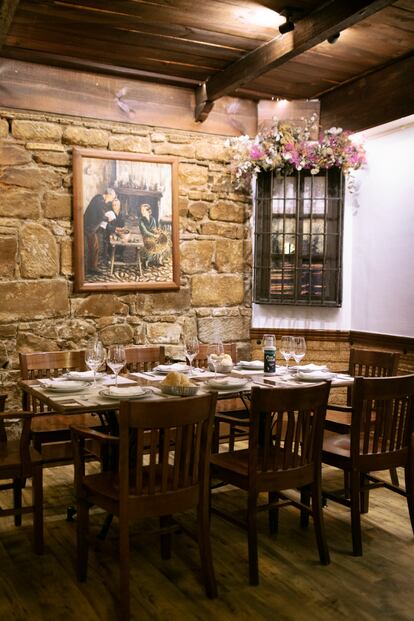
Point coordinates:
[[38, 309]]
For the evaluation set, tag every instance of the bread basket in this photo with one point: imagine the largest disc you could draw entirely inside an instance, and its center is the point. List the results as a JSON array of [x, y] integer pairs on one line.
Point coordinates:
[[179, 391]]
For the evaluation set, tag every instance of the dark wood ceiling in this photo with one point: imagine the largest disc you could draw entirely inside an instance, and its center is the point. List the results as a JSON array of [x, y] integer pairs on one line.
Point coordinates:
[[218, 47]]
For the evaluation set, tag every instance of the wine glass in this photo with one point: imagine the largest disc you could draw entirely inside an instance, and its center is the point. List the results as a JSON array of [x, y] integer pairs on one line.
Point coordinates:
[[192, 347], [299, 348], [116, 359], [215, 353], [286, 349], [94, 356]]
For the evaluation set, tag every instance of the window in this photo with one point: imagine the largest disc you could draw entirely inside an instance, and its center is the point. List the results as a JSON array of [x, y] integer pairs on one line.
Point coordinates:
[[298, 238]]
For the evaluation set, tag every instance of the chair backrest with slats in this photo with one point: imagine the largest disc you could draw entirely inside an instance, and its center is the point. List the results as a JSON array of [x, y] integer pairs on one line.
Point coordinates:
[[18, 462], [371, 363], [40, 364], [382, 421], [286, 433], [143, 358], [201, 358], [164, 454]]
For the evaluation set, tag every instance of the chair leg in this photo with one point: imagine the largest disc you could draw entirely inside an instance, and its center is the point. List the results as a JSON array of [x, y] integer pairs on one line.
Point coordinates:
[[165, 521], [364, 493], [204, 543], [252, 538], [37, 501], [82, 543], [355, 514], [409, 486], [305, 494], [124, 569], [17, 500], [273, 513], [394, 477], [319, 524]]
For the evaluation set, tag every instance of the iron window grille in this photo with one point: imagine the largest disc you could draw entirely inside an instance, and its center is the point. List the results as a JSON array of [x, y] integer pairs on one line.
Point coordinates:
[[298, 238]]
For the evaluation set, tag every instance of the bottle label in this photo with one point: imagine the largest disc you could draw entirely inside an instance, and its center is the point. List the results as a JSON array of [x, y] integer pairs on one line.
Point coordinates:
[[269, 356]]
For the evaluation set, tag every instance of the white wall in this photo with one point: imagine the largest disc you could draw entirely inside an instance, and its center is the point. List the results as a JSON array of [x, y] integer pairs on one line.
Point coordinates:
[[378, 291], [383, 234]]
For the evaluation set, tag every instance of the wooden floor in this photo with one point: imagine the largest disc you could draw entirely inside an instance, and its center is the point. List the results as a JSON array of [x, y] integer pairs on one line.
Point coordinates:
[[294, 586]]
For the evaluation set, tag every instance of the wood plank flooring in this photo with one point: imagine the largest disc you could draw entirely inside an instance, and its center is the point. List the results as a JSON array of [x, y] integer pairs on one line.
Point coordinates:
[[293, 585]]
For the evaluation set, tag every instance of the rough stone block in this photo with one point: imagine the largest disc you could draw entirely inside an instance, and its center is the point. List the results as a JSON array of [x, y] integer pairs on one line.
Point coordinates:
[[211, 151], [229, 212], [31, 178], [192, 175], [182, 150], [168, 333], [57, 205], [135, 144], [225, 328], [198, 210], [36, 130], [229, 255], [13, 154], [85, 137], [217, 290], [52, 158], [8, 250], [114, 334], [66, 267], [4, 128], [19, 203], [101, 305], [232, 231], [24, 301], [38, 252], [196, 255], [171, 301]]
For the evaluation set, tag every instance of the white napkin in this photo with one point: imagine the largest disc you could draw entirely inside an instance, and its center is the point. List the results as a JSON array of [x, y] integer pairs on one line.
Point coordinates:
[[176, 366], [309, 368], [109, 380], [85, 376], [252, 364], [132, 391], [314, 376]]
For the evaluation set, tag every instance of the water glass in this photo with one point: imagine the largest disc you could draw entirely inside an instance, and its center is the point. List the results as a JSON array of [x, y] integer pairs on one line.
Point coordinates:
[[94, 356], [192, 347], [299, 348], [286, 348], [215, 352], [116, 359]]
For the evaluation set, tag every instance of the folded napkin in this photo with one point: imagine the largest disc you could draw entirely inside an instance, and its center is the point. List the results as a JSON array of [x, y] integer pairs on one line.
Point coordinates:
[[252, 364], [314, 376], [309, 368], [84, 376], [132, 391], [176, 366]]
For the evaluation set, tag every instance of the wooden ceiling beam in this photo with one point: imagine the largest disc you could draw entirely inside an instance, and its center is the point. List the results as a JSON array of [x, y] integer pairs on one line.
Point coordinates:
[[7, 11], [309, 32]]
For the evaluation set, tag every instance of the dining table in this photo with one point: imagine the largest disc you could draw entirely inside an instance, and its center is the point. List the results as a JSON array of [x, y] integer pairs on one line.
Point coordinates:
[[73, 395]]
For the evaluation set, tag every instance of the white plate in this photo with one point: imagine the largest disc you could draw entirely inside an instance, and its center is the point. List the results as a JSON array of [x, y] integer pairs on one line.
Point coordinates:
[[230, 383], [83, 376], [69, 386], [253, 364], [123, 394]]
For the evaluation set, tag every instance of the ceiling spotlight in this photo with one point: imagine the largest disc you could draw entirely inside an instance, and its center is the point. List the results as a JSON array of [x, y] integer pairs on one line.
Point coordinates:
[[334, 38], [288, 26]]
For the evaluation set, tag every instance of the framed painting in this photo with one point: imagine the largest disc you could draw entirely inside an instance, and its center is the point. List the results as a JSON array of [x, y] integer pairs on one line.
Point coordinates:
[[125, 221]]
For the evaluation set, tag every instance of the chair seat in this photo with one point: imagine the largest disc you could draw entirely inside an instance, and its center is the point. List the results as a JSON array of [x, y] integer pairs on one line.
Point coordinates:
[[235, 461], [10, 456]]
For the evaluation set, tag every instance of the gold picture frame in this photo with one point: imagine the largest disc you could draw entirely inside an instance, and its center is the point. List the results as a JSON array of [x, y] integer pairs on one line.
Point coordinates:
[[125, 213]]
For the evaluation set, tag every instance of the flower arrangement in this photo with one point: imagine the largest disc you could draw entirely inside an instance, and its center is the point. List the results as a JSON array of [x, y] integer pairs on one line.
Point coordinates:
[[285, 148]]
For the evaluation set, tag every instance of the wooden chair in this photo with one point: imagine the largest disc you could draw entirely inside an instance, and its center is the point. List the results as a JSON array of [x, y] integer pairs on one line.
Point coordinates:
[[232, 415], [156, 478], [381, 437], [285, 442], [143, 358], [18, 461], [363, 363], [51, 434]]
